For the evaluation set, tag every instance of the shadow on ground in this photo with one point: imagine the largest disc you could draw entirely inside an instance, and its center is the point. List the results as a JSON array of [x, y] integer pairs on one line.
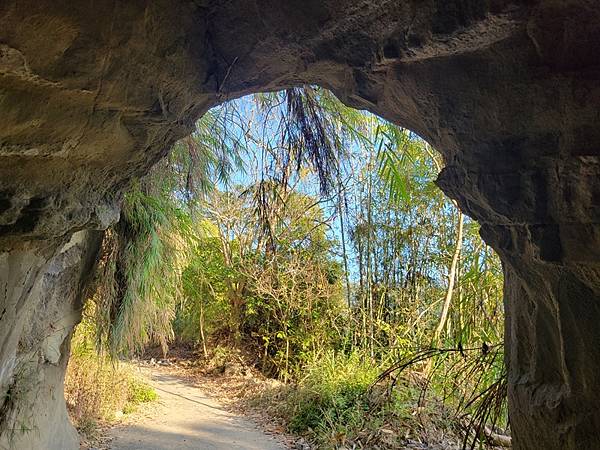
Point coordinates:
[[189, 419]]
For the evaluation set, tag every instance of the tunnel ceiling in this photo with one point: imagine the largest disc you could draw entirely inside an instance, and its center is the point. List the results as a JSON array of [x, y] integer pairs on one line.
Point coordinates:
[[93, 93]]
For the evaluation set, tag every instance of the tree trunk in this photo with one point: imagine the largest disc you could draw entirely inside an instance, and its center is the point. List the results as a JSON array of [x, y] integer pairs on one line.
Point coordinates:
[[451, 281], [204, 350]]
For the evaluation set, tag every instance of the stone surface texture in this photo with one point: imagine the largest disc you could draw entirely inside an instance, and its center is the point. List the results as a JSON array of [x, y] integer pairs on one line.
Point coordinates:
[[93, 93], [42, 304]]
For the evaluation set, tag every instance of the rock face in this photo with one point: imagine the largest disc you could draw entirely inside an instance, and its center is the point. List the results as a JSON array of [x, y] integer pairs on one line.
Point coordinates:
[[43, 293], [93, 93]]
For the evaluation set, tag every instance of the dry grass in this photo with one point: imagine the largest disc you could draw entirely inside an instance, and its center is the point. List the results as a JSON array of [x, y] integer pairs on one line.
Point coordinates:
[[98, 390], [334, 408]]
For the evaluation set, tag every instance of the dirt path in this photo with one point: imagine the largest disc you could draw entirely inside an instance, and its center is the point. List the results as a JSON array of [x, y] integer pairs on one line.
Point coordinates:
[[186, 418]]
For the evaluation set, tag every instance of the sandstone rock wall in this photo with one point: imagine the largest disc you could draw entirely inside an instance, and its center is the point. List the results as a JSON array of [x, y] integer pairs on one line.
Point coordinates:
[[44, 290], [93, 93]]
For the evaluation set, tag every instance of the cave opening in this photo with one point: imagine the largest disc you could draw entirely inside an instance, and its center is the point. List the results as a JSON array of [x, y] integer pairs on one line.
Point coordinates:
[[288, 226]]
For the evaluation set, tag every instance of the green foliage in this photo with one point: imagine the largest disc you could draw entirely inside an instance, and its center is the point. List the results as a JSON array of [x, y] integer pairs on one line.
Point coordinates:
[[340, 404], [280, 296], [332, 398], [333, 241], [140, 392], [139, 281], [295, 302], [145, 254]]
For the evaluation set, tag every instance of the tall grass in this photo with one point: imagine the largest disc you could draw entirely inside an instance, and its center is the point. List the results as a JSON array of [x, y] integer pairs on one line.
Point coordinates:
[[340, 404], [97, 388]]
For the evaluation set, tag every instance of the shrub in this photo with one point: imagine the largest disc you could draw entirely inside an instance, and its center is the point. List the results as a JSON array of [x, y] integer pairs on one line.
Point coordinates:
[[97, 388], [331, 402], [338, 405], [140, 392]]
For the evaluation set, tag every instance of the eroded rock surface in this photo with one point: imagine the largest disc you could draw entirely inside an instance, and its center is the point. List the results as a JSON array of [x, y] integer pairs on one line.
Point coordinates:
[[44, 288], [93, 93]]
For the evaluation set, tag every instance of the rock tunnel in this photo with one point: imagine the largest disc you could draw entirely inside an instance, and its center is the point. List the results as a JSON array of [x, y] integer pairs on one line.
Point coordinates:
[[93, 93]]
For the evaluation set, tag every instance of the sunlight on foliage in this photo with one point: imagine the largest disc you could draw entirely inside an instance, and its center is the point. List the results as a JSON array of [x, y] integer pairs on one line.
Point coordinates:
[[97, 389], [311, 236]]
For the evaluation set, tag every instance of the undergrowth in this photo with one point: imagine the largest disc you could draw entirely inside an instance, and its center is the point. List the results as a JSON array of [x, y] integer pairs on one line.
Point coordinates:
[[339, 404], [98, 389]]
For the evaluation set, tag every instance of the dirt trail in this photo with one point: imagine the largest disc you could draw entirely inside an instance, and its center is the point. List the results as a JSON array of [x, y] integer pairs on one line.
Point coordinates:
[[186, 418]]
